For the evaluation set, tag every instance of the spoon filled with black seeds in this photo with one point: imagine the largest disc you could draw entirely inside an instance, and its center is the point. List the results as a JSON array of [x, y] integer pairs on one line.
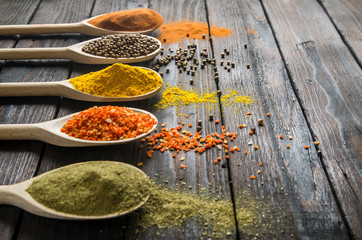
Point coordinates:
[[117, 48]]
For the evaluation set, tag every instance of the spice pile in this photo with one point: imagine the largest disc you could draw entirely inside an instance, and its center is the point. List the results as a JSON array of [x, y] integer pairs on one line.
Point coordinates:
[[176, 31], [171, 208], [122, 46], [187, 61], [91, 188], [118, 80], [128, 20], [176, 139], [108, 123], [176, 96]]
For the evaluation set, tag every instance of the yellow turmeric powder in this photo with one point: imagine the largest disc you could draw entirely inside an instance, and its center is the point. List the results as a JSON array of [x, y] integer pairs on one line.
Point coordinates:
[[178, 96], [118, 80]]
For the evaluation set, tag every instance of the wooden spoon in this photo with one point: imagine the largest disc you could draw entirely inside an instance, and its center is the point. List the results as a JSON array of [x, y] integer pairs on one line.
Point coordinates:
[[64, 88], [80, 27], [50, 132], [17, 195], [73, 52]]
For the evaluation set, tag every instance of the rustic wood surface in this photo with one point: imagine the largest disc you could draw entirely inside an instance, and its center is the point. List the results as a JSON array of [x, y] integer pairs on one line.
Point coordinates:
[[305, 70]]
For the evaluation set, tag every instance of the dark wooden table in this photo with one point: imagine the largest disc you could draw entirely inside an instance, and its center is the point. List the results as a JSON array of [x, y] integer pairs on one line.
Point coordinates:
[[305, 69]]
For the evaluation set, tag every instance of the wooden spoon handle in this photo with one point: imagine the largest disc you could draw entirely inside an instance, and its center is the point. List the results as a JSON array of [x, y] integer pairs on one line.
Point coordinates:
[[35, 53], [40, 28], [20, 131], [8, 195], [30, 89]]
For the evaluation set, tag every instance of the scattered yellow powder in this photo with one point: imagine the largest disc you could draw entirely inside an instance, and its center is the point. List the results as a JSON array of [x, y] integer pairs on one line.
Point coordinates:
[[178, 96], [118, 80], [176, 31]]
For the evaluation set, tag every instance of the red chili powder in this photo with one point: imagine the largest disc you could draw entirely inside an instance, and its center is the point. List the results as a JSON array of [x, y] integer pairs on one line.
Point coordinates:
[[176, 31], [129, 20]]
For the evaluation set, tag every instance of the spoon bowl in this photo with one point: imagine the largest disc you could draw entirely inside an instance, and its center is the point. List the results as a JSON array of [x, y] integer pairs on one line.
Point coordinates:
[[50, 132], [80, 27], [65, 89], [17, 195], [74, 53]]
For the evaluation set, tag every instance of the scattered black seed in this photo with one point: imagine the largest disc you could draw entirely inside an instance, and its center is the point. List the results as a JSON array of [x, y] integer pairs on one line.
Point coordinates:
[[219, 92], [253, 129], [211, 117], [261, 122], [191, 81], [245, 45], [203, 36], [248, 66], [167, 70], [199, 122]]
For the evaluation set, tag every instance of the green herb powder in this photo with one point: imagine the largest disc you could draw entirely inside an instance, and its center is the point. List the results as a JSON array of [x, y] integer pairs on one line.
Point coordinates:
[[91, 188]]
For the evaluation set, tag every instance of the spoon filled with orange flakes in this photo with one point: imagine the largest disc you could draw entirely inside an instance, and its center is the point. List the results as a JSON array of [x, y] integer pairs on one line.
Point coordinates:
[[96, 126]]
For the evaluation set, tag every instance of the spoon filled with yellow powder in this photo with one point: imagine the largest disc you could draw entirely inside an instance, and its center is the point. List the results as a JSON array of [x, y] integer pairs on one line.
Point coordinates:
[[116, 83]]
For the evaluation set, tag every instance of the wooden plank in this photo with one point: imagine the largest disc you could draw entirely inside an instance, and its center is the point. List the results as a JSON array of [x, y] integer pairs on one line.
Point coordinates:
[[327, 81], [20, 159], [292, 188], [162, 167], [347, 17], [15, 12]]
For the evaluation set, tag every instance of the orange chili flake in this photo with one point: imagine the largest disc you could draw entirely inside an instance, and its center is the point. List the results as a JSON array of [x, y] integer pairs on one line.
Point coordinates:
[[288, 146], [241, 126], [248, 113], [174, 155], [219, 158], [217, 121], [183, 166], [281, 136], [232, 149], [108, 123], [190, 125], [261, 164], [186, 115], [256, 147], [140, 164], [227, 156], [216, 161], [268, 114], [246, 152], [252, 177], [251, 132], [306, 146], [149, 153]]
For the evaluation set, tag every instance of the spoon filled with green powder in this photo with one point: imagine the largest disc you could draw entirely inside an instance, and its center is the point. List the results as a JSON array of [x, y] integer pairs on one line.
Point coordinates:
[[82, 191]]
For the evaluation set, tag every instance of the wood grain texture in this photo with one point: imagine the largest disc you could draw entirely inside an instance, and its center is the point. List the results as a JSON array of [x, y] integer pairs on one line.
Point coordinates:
[[347, 16], [20, 159], [161, 168], [292, 182], [15, 12], [328, 84]]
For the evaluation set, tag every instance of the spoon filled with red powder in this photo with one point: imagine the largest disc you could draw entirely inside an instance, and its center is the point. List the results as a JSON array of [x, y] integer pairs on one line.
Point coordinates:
[[127, 21]]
